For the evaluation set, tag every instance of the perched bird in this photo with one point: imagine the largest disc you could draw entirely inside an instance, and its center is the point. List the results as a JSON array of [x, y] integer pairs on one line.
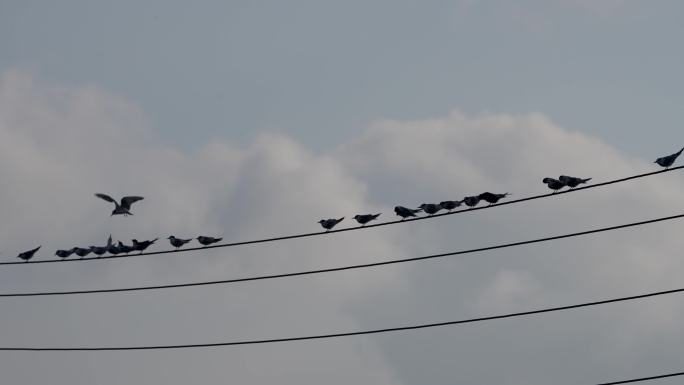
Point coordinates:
[[572, 181], [125, 206], [177, 242], [491, 197], [82, 251], [206, 241], [125, 248], [26, 255], [111, 247], [99, 250], [330, 223], [667, 161], [405, 212], [449, 205], [430, 208], [471, 201], [365, 218], [64, 253], [141, 246], [553, 184]]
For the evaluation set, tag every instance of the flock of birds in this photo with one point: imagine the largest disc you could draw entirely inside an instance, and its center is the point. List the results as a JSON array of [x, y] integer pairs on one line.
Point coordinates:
[[124, 206]]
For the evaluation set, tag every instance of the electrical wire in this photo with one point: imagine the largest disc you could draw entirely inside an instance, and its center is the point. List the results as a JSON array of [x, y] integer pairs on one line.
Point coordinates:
[[349, 267], [644, 379], [346, 334], [318, 233]]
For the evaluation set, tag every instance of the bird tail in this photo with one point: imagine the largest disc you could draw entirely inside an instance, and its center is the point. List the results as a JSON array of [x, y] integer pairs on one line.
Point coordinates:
[[586, 180], [341, 219], [376, 215]]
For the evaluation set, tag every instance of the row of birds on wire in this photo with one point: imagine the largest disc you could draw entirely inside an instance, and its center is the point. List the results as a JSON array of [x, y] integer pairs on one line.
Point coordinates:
[[124, 208]]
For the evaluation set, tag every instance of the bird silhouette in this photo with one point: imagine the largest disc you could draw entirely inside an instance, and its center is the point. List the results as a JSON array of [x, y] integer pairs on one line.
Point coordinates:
[[177, 242], [82, 251], [553, 184], [111, 247], [99, 250], [430, 208], [122, 208], [492, 198], [142, 245], [471, 201], [667, 161], [449, 205], [26, 255], [125, 248], [206, 241], [405, 212], [64, 254], [572, 181], [328, 224], [365, 218]]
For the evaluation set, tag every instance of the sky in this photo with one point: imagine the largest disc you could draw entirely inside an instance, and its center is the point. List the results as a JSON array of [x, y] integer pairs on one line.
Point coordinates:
[[252, 119]]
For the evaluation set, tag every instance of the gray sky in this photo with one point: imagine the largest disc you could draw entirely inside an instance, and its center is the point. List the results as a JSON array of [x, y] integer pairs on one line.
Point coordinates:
[[322, 70], [249, 119]]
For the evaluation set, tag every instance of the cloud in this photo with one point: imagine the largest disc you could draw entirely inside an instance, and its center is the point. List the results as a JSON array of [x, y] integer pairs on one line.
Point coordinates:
[[59, 145]]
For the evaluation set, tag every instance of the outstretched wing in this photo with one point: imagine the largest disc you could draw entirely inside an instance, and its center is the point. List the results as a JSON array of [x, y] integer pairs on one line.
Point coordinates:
[[105, 197], [126, 202]]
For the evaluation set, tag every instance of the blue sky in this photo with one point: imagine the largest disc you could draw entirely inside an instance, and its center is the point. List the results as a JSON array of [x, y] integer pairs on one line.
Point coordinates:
[[321, 71]]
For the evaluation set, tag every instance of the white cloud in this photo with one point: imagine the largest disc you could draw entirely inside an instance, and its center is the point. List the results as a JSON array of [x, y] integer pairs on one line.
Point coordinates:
[[59, 145]]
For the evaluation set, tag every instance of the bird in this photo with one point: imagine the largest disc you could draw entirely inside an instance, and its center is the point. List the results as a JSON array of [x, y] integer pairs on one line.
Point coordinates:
[[405, 212], [99, 250], [124, 207], [430, 208], [177, 242], [64, 253], [328, 224], [26, 255], [111, 247], [82, 251], [572, 181], [141, 246], [667, 161], [450, 205], [365, 218], [125, 248], [471, 201], [206, 241], [553, 184], [491, 197]]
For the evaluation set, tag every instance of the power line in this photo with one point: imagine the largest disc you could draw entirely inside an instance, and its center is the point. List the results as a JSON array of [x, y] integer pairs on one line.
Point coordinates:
[[348, 334], [305, 235], [349, 267], [644, 379]]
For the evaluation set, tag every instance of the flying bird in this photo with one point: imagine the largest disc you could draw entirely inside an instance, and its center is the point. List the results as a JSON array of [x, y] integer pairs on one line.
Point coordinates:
[[667, 161], [430, 208], [365, 218], [177, 242], [141, 246], [491, 197], [124, 207], [64, 253], [26, 255], [405, 212], [553, 184], [328, 224], [572, 181], [206, 241], [449, 205], [471, 201], [82, 251]]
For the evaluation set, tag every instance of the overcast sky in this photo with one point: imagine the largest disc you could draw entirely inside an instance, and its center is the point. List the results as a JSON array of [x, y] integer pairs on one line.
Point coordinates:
[[250, 119]]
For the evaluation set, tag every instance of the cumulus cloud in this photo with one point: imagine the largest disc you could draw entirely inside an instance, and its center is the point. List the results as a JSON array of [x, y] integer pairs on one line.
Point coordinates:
[[59, 145]]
